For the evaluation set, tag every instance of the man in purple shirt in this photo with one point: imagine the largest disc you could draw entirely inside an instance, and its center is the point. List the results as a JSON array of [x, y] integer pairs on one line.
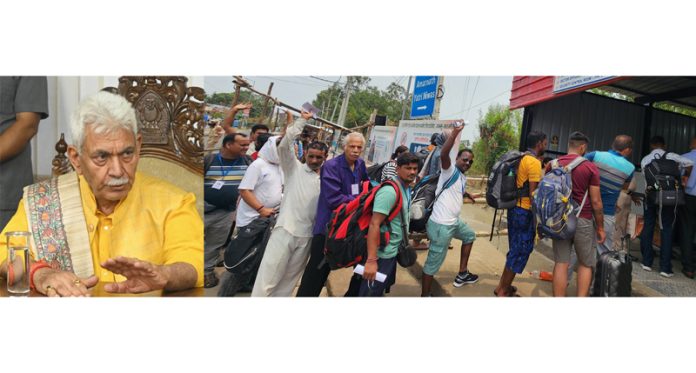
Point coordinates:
[[341, 178]]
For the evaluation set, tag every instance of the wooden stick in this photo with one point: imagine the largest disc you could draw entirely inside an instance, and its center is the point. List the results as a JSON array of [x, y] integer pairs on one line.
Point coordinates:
[[240, 82]]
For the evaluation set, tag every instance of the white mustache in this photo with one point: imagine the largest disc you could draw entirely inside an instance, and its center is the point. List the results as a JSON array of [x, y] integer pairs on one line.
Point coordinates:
[[117, 182]]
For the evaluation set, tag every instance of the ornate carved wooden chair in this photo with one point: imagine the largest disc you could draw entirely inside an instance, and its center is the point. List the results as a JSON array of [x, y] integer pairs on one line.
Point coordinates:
[[170, 120]]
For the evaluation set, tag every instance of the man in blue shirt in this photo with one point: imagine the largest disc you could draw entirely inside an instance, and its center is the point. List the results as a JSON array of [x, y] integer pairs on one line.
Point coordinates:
[[688, 218], [615, 174], [223, 173]]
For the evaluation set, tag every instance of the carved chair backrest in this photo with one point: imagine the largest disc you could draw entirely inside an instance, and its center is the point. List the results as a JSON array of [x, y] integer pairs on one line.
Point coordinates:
[[170, 120]]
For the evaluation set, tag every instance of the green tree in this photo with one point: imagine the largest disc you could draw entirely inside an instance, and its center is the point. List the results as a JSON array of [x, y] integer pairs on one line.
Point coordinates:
[[363, 100], [499, 132], [225, 99]]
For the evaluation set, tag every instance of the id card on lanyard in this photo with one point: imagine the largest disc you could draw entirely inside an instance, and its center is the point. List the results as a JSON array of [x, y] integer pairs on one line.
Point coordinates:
[[220, 183], [355, 186]]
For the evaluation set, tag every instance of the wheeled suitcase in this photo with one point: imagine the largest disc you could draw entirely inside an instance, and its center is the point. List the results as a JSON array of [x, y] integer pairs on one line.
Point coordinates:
[[613, 276]]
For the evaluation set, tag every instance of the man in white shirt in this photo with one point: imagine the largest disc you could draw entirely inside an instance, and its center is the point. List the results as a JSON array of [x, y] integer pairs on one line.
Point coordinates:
[[666, 214], [444, 223], [287, 251], [261, 191]]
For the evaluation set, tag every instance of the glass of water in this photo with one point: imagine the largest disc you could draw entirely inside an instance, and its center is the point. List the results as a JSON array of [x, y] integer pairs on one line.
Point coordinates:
[[18, 262]]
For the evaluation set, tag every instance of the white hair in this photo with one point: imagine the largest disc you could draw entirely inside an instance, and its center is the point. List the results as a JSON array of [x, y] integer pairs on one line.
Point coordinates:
[[105, 112], [353, 136]]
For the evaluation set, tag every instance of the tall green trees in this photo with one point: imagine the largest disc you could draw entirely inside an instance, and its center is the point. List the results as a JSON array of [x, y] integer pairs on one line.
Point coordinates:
[[363, 99], [499, 132]]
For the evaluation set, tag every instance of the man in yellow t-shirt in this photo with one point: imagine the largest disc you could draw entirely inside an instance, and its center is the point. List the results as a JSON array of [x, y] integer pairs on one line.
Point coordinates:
[[521, 232], [134, 232]]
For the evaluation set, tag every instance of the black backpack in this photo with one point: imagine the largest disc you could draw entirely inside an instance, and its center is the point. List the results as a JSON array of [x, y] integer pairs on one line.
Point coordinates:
[[663, 182], [423, 199], [374, 172], [422, 157], [244, 252], [502, 191]]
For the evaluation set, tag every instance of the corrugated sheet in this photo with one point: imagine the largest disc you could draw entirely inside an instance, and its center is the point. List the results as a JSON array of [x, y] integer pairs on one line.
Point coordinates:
[[529, 90], [600, 118], [678, 130], [654, 85]]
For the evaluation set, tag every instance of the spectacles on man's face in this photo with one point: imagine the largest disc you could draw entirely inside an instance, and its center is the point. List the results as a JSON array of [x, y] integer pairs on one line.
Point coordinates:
[[467, 160]]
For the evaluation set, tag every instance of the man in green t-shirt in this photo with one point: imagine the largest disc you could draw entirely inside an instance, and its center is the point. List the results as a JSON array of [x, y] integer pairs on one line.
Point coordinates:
[[383, 259]]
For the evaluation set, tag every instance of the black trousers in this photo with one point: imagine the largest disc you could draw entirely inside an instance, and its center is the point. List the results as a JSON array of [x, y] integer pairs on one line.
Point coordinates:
[[687, 217], [317, 271]]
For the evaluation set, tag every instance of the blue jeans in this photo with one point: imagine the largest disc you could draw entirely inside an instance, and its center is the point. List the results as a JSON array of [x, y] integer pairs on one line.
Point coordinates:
[[650, 216]]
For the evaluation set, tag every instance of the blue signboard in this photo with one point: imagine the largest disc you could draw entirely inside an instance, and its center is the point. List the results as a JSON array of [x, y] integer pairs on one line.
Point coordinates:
[[424, 94]]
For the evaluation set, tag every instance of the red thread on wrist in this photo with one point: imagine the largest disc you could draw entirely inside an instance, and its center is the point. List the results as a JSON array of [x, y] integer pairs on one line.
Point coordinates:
[[370, 260], [35, 267]]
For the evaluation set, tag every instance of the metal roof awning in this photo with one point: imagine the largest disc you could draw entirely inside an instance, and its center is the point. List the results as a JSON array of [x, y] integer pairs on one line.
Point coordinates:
[[677, 90]]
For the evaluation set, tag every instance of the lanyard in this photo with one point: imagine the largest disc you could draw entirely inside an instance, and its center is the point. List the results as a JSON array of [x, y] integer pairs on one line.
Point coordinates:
[[222, 167]]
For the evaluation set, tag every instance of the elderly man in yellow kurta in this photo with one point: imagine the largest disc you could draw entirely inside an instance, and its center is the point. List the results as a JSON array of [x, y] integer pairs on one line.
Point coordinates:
[[107, 222]]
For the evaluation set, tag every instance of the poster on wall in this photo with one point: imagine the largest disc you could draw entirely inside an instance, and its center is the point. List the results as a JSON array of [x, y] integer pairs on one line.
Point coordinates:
[[381, 144], [415, 134]]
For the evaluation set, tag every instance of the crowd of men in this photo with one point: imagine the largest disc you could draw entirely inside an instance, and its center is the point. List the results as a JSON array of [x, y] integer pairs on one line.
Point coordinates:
[[283, 201]]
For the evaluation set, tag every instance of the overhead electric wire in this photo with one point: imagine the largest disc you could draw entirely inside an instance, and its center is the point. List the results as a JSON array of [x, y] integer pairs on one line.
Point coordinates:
[[292, 82], [482, 102], [472, 96]]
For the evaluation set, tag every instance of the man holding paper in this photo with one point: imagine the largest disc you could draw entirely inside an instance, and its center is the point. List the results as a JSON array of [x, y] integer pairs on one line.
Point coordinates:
[[383, 259]]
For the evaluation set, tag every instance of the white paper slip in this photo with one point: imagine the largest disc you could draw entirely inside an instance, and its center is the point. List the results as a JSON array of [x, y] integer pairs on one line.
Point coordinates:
[[218, 184], [355, 189], [359, 269]]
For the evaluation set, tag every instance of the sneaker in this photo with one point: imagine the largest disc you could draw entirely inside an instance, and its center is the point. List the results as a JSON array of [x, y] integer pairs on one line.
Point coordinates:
[[464, 278], [646, 268], [210, 280], [667, 274]]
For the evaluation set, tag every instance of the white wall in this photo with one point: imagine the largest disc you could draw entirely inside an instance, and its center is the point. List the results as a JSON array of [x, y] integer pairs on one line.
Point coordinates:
[[64, 93]]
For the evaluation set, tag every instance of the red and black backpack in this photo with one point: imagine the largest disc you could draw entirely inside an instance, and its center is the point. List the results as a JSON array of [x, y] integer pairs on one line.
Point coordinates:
[[346, 242]]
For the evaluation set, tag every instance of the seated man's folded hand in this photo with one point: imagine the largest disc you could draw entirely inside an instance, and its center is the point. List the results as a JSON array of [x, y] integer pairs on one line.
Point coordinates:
[[56, 283], [141, 276]]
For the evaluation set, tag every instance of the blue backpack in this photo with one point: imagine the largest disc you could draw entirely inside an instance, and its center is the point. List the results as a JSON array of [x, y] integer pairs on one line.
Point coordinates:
[[554, 209]]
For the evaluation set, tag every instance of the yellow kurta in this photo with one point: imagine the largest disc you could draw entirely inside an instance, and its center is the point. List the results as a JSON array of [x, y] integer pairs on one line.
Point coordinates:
[[157, 222]]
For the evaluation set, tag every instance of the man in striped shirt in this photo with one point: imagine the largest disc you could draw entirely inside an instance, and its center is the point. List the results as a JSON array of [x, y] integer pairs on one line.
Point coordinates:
[[223, 173], [615, 174]]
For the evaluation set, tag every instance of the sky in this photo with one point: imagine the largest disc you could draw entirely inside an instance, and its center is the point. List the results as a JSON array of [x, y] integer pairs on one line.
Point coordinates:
[[465, 96]]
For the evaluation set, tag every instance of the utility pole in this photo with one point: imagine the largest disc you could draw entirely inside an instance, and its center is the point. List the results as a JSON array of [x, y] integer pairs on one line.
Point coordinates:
[[343, 112], [344, 105], [438, 98], [405, 105], [333, 113]]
